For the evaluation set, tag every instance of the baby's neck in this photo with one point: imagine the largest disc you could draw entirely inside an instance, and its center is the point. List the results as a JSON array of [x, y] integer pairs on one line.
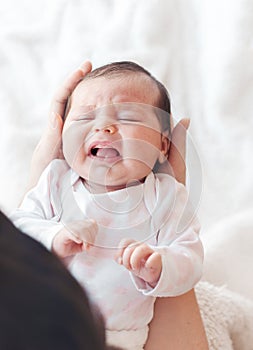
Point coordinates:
[[98, 188]]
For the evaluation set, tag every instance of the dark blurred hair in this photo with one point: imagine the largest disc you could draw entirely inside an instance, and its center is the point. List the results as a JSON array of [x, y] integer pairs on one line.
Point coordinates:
[[42, 306], [115, 69]]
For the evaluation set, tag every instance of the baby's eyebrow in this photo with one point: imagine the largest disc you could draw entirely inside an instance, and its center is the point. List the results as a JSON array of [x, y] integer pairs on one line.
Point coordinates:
[[85, 108], [82, 109]]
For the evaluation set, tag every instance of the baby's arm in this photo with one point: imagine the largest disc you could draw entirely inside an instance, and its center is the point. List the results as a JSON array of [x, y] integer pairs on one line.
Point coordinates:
[[168, 270], [173, 265], [39, 216]]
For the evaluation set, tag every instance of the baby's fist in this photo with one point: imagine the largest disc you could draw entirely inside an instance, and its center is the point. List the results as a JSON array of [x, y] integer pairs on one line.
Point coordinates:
[[75, 237], [141, 260]]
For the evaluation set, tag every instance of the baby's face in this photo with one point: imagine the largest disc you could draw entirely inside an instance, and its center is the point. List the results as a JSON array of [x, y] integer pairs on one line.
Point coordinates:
[[111, 136]]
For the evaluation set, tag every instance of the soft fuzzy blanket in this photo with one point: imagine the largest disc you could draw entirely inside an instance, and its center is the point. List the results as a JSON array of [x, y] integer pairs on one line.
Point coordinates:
[[228, 317]]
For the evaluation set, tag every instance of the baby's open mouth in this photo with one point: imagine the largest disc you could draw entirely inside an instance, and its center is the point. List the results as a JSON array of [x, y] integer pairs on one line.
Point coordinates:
[[104, 152]]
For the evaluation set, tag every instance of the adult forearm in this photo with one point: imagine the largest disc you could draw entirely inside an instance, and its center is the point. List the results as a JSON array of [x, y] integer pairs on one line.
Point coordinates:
[[177, 325]]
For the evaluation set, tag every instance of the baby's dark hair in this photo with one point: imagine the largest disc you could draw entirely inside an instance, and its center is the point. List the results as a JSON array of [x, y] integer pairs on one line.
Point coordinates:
[[115, 69]]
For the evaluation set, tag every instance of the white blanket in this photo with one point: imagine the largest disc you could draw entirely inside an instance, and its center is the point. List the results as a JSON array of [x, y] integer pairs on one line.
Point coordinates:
[[201, 50]]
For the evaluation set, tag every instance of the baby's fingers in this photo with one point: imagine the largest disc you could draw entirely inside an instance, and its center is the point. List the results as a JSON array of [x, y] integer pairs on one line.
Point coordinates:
[[154, 262], [89, 232], [139, 257], [124, 243], [71, 236]]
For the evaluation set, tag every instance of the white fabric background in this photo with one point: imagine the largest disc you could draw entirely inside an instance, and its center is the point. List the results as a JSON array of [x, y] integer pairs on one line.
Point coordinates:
[[202, 50]]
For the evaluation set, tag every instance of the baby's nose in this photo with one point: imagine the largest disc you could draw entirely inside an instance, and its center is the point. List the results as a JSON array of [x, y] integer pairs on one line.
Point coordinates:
[[110, 129]]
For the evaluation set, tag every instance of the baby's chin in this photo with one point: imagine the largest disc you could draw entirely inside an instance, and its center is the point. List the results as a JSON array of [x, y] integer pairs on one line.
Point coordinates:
[[110, 186], [99, 177]]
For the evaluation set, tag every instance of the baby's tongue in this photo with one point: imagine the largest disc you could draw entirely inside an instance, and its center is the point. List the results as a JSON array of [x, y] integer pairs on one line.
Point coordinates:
[[107, 153]]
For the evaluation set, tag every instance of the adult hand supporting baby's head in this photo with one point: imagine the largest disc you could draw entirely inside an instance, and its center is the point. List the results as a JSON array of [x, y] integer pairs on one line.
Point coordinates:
[[175, 165], [49, 146]]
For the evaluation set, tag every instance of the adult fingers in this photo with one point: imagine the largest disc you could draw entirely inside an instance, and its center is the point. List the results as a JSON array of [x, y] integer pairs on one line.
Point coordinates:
[[49, 146], [176, 157], [47, 149], [61, 97], [52, 134]]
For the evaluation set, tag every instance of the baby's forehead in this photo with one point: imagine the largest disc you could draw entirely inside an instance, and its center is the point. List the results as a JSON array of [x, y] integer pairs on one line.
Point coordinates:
[[120, 78], [114, 88]]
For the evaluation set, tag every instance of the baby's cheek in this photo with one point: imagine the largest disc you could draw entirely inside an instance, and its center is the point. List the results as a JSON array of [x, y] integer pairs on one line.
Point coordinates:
[[72, 145]]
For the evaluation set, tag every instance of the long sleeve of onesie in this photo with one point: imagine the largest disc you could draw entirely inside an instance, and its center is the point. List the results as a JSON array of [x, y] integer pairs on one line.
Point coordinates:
[[38, 215], [177, 239]]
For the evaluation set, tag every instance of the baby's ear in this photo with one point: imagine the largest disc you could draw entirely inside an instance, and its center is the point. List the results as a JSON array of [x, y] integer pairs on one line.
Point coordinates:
[[165, 145]]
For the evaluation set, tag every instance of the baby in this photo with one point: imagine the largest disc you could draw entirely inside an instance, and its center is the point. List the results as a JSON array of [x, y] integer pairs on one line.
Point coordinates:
[[124, 230]]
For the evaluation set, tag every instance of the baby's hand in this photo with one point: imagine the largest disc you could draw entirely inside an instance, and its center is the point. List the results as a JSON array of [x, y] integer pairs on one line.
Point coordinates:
[[74, 238], [141, 260]]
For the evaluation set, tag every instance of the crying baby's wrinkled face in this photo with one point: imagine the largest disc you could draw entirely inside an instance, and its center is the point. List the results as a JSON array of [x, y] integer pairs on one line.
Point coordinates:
[[112, 137]]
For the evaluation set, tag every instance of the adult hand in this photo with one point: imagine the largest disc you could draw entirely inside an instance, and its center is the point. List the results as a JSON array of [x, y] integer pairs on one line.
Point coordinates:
[[175, 165], [49, 146]]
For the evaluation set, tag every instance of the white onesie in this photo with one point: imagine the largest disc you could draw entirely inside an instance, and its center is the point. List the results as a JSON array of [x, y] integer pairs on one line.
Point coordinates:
[[156, 212]]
